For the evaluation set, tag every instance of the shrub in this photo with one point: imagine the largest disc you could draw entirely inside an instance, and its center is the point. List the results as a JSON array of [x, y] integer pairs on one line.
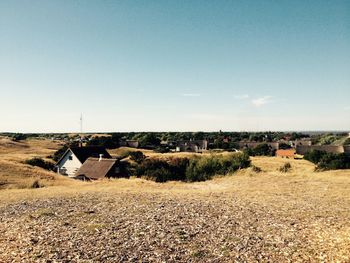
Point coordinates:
[[314, 156], [137, 156], [199, 168], [59, 153], [203, 168], [262, 149], [285, 168], [162, 149], [256, 169], [108, 142], [40, 163], [35, 184], [347, 141], [331, 161], [328, 161]]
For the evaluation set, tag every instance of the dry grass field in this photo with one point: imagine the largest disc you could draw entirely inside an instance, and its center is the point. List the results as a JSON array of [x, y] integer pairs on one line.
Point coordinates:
[[299, 216]]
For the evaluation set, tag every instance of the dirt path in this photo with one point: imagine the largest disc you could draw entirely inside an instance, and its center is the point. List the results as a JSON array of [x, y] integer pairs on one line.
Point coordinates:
[[158, 227]]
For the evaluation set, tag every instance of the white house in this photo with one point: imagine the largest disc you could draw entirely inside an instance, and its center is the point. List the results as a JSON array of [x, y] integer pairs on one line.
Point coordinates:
[[74, 158]]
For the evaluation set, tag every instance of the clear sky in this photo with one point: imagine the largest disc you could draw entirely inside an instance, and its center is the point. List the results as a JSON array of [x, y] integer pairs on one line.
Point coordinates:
[[174, 65]]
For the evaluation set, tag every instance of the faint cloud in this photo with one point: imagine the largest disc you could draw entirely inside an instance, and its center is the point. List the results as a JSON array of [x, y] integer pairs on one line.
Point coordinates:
[[261, 101], [347, 108], [242, 97], [191, 95]]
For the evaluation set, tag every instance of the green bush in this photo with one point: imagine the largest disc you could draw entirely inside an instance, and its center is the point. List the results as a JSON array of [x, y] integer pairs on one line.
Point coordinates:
[[285, 168], [347, 142], [137, 156], [331, 161], [328, 161], [262, 149], [314, 156], [40, 163], [199, 168], [256, 169], [161, 170], [203, 168]]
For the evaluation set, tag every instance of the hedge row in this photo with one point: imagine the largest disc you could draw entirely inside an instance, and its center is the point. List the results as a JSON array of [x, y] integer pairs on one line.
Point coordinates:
[[198, 168]]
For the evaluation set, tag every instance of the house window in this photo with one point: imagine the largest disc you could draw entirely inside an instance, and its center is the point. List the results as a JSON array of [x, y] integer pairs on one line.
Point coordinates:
[[70, 157]]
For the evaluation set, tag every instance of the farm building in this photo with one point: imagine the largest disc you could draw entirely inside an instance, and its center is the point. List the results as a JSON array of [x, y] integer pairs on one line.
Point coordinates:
[[74, 157], [287, 153], [99, 168], [192, 146]]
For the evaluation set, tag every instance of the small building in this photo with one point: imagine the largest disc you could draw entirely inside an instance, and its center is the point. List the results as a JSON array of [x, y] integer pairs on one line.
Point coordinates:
[[99, 168], [192, 146], [287, 153], [74, 158], [302, 142]]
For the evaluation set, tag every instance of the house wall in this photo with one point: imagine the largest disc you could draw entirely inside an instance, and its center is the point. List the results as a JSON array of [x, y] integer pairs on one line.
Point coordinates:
[[67, 166]]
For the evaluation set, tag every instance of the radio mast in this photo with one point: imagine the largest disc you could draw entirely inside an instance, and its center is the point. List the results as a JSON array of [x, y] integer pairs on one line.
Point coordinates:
[[81, 124]]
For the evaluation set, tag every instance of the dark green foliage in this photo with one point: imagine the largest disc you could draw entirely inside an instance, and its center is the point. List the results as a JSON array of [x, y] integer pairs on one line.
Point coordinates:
[[35, 184], [347, 142], [203, 168], [328, 161], [332, 161], [314, 156], [162, 149], [284, 146], [19, 136], [285, 168], [137, 156], [256, 169], [195, 169], [262, 149], [108, 142], [154, 169], [59, 153], [40, 163], [149, 140]]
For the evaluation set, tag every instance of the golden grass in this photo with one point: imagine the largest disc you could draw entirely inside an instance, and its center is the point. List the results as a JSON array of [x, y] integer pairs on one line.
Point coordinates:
[[301, 182]]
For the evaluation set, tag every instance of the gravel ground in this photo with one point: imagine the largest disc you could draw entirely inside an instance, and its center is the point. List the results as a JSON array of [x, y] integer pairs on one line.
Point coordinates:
[[160, 227]]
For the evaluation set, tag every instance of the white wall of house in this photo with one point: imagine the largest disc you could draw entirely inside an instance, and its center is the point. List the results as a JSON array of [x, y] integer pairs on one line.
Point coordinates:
[[69, 164]]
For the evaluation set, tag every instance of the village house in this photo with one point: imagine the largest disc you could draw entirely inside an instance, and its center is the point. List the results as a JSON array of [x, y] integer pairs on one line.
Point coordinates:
[[302, 142], [192, 146], [74, 158], [99, 168]]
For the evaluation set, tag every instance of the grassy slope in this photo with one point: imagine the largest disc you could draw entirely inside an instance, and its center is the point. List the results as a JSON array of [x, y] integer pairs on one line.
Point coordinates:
[[15, 174], [301, 211]]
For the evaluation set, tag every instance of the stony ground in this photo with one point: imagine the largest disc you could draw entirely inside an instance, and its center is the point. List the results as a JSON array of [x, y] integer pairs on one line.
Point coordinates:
[[173, 227]]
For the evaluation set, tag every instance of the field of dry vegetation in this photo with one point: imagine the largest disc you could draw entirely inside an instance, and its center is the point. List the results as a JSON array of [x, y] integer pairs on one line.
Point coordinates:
[[267, 216]]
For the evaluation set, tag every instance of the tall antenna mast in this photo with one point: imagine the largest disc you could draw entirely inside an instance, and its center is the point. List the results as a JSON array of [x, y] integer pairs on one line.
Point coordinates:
[[81, 123]]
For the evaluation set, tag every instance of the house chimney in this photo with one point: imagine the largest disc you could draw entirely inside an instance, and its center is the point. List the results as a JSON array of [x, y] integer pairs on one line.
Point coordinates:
[[100, 159]]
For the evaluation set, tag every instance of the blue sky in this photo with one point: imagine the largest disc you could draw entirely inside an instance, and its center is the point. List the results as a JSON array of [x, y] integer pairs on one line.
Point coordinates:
[[174, 65]]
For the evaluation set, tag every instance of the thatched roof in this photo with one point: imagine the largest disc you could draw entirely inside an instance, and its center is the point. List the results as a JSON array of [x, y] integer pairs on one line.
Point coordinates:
[[93, 168]]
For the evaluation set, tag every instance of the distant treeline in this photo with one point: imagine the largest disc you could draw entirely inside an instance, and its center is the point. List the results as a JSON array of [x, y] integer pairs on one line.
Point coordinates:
[[220, 139]]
